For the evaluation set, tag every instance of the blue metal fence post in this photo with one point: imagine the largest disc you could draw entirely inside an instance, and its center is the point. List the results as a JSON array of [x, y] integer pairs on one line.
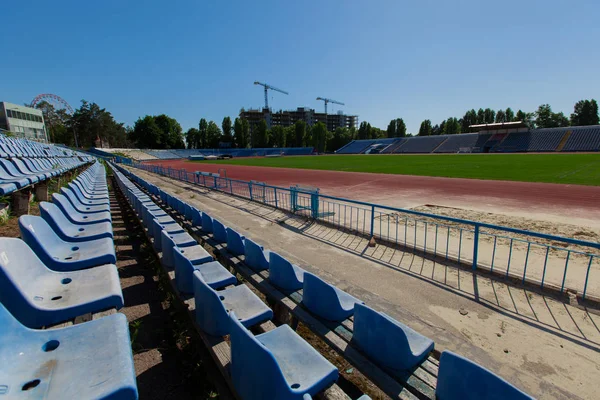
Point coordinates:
[[250, 190], [475, 247], [275, 194], [372, 220]]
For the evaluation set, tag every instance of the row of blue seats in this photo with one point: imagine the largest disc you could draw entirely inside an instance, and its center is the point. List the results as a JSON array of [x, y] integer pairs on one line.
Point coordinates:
[[24, 163], [389, 343], [232, 310], [63, 268], [18, 147]]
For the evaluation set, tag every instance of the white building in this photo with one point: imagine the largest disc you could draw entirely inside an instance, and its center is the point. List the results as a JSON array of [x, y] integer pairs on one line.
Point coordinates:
[[23, 121]]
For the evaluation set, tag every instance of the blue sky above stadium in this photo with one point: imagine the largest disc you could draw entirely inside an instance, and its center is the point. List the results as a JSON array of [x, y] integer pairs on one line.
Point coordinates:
[[384, 59]]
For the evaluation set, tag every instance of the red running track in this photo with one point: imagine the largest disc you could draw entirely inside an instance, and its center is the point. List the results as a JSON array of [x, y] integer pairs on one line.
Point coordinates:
[[559, 200]]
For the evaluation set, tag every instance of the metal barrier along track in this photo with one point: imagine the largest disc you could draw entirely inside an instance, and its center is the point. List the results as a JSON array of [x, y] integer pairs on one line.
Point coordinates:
[[549, 261]]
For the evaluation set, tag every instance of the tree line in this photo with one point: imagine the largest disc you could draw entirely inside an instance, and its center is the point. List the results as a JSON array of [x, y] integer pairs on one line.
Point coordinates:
[[585, 112], [91, 122]]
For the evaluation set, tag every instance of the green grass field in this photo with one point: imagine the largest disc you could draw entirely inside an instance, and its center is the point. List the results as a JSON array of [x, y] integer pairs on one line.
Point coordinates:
[[582, 169]]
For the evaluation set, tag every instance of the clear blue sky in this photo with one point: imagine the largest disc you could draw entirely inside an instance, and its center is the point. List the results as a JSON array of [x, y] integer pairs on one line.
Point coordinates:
[[384, 59]]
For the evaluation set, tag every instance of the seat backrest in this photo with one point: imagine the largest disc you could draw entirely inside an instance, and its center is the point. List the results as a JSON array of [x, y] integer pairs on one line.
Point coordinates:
[[211, 314], [54, 216], [196, 217], [383, 339], [460, 378], [9, 167], [254, 256], [318, 294], [64, 204], [281, 272], [235, 242], [219, 231], [254, 371], [36, 232], [20, 266], [207, 223]]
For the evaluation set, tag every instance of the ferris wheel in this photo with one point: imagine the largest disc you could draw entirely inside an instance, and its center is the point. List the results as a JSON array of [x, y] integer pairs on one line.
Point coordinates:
[[57, 101]]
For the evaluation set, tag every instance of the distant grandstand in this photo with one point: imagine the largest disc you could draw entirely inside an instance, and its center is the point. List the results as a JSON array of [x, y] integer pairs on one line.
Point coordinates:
[[173, 154], [492, 138]]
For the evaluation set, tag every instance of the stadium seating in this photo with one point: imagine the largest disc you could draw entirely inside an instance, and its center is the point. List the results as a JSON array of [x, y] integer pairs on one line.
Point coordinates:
[[69, 231], [60, 255], [235, 243], [326, 300], [76, 216], [255, 256], [219, 231], [86, 361], [455, 143], [214, 274], [213, 307], [583, 139], [38, 296], [284, 274], [460, 378], [421, 144], [277, 364], [390, 343]]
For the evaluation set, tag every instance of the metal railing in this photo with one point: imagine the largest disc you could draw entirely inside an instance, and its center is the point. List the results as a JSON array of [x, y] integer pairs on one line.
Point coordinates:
[[546, 260]]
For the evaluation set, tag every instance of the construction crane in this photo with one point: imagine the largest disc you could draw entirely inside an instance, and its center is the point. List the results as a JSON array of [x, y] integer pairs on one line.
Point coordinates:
[[329, 101], [267, 87]]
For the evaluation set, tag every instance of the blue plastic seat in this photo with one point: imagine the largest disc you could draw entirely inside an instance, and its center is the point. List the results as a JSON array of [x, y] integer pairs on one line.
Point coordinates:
[[255, 257], [170, 241], [325, 300], [212, 307], [85, 200], [219, 232], [81, 207], [170, 227], [390, 343], [196, 217], [90, 193], [77, 217], [186, 261], [38, 296], [284, 274], [235, 243], [6, 187], [207, 223], [19, 182], [276, 365], [12, 171], [70, 231], [460, 378], [188, 212], [60, 255], [84, 361]]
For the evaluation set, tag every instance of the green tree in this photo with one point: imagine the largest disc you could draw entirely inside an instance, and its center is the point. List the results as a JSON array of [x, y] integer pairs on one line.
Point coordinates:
[[480, 116], [400, 128], [203, 136], [237, 132], [245, 133], [501, 116], [470, 118], [226, 125], [425, 129], [364, 131], [527, 118], [171, 136], [585, 112], [277, 136], [213, 135], [290, 135], [509, 115], [90, 122], [319, 137], [191, 137], [391, 129], [451, 126], [260, 136], [341, 137], [299, 134], [545, 118], [146, 133], [489, 116]]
